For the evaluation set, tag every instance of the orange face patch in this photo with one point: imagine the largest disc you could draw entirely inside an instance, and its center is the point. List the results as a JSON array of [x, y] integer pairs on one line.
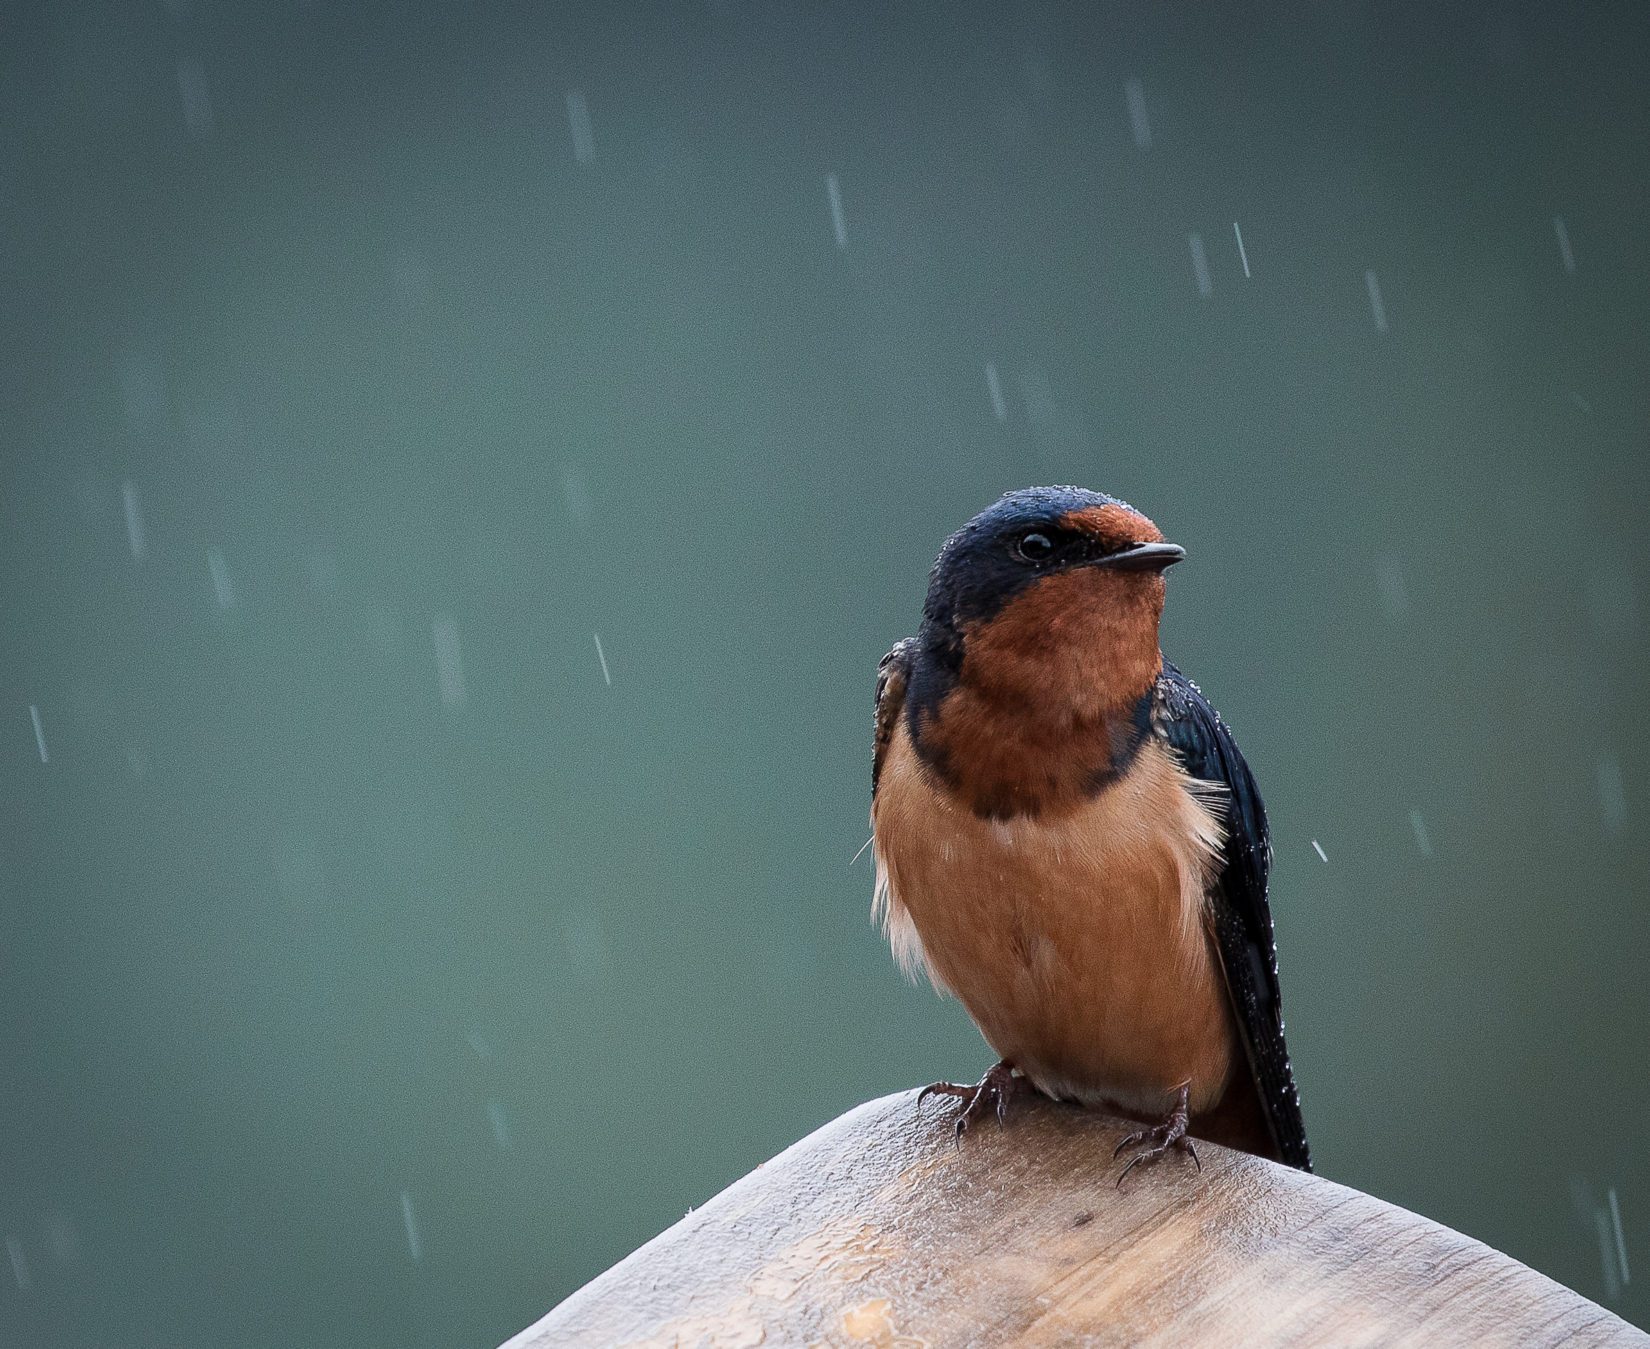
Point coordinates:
[[1114, 525], [1076, 644]]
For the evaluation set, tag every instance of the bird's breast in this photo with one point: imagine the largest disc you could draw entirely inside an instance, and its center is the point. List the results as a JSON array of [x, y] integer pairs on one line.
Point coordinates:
[[1078, 944]]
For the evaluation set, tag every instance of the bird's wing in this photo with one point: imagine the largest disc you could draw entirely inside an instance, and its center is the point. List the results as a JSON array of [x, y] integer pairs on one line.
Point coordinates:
[[1242, 921], [891, 678]]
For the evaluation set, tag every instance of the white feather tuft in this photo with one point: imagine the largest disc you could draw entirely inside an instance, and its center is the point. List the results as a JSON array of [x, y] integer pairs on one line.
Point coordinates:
[[895, 921]]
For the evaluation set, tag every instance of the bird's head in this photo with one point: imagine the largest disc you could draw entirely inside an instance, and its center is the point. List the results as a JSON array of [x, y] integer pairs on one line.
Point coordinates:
[[1052, 594]]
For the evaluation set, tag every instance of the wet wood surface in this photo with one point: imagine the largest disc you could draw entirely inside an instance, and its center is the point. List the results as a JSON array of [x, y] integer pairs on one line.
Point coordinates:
[[876, 1230]]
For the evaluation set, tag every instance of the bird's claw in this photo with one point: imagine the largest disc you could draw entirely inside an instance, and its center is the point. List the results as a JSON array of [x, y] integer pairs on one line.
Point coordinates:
[[1158, 1149], [991, 1093], [1169, 1136]]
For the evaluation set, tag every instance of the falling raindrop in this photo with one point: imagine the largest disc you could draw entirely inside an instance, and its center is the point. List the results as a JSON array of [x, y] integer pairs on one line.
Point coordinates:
[[577, 494], [578, 121], [222, 586], [839, 223], [449, 664], [1562, 232], [415, 1247], [1607, 1253], [1318, 848], [61, 1236], [1038, 395], [1377, 307], [501, 1125], [1621, 1241], [1422, 840], [1200, 266], [197, 100], [1135, 93], [134, 520], [39, 733], [19, 1263], [602, 657], [994, 387], [1243, 255], [1394, 594]]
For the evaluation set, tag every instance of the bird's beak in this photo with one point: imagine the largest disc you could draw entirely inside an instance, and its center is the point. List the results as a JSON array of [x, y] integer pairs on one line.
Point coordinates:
[[1143, 557]]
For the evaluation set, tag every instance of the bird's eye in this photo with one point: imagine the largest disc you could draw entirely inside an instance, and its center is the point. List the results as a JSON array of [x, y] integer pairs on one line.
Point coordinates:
[[1035, 547]]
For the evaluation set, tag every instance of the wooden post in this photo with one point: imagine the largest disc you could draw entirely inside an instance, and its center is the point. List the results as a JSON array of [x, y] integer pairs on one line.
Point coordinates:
[[877, 1230]]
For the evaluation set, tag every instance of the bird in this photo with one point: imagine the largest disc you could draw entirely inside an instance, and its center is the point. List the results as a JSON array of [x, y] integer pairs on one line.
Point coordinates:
[[1067, 840]]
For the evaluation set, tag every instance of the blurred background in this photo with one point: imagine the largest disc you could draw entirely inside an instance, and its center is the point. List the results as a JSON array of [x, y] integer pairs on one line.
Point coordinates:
[[462, 465]]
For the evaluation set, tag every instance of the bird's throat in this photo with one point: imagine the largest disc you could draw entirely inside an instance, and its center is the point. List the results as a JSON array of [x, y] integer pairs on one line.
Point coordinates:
[[1004, 760], [1038, 707]]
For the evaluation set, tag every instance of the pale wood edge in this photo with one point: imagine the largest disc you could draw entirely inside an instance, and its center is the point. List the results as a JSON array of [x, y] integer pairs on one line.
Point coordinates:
[[678, 1287]]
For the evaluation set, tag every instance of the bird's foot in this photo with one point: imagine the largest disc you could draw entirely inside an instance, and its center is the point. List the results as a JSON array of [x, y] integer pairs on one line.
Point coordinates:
[[991, 1093], [1169, 1136]]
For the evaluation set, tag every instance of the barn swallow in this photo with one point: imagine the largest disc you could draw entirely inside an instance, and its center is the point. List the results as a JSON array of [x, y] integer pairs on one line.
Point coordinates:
[[1068, 841]]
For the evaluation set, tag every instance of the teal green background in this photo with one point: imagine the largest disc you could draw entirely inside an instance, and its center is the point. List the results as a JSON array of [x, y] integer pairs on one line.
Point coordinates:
[[303, 930]]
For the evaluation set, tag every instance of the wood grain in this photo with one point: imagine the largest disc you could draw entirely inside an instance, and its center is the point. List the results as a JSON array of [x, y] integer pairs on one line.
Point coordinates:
[[876, 1230]]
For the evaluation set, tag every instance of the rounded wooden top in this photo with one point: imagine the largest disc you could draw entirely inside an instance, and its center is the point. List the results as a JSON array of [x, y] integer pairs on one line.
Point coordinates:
[[877, 1230]]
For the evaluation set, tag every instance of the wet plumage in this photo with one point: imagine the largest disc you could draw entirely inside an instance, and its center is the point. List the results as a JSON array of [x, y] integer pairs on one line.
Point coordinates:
[[1067, 838]]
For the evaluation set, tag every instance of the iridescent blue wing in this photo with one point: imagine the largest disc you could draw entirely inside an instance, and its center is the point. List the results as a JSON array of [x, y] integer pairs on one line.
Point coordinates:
[[1241, 918]]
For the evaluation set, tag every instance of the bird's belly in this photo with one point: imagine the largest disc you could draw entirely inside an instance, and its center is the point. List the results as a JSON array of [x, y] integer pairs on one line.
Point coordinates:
[[1079, 945]]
